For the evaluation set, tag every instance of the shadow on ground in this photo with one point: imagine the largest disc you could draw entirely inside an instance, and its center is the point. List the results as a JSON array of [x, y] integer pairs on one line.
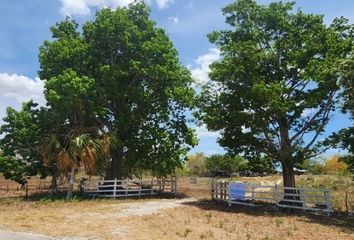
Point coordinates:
[[345, 223]]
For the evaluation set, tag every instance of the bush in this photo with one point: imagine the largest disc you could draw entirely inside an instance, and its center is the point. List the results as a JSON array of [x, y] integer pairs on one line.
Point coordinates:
[[315, 167], [335, 166], [225, 165], [196, 165]]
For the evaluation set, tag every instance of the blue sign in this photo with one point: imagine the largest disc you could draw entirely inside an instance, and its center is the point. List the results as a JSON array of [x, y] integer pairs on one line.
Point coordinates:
[[237, 191]]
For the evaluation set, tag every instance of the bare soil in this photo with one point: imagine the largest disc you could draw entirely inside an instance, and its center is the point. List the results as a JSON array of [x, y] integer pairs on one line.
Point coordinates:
[[166, 219]]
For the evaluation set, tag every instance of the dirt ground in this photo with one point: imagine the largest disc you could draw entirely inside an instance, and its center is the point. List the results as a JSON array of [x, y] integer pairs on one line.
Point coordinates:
[[190, 216], [186, 218]]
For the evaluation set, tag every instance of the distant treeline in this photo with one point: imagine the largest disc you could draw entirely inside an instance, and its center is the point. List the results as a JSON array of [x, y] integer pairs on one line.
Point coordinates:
[[224, 165]]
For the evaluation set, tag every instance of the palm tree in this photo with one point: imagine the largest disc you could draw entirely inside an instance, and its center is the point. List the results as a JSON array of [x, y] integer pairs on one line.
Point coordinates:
[[70, 154]]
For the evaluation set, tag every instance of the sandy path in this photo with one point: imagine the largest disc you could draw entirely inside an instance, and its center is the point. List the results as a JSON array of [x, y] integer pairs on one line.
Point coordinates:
[[265, 182], [116, 210], [22, 236], [151, 207], [8, 235]]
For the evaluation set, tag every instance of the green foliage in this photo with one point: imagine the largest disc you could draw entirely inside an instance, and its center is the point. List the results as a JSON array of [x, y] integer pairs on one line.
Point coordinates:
[[261, 165], [218, 164], [120, 75], [277, 81], [315, 167], [344, 139], [23, 131], [13, 169], [196, 164]]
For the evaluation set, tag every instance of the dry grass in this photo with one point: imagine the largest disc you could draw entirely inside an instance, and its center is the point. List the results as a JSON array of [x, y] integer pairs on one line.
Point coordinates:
[[337, 184], [201, 219], [205, 220], [195, 220]]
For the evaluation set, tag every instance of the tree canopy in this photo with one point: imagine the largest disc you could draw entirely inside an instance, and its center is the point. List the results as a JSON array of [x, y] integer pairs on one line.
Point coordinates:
[[22, 132], [120, 76], [277, 81]]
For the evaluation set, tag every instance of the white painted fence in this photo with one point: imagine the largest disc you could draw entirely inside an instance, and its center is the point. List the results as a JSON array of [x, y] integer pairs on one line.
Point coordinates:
[[128, 187], [283, 197]]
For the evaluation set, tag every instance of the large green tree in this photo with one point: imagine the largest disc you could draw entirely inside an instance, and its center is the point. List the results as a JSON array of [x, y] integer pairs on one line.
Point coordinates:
[[345, 137], [22, 132], [133, 87], [274, 89]]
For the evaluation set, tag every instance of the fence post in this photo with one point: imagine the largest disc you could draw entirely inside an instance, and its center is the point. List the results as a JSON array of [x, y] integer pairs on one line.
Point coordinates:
[[276, 194], [302, 198], [152, 186], [115, 188], [346, 202], [212, 188], [163, 185], [139, 188], [225, 190], [222, 190], [252, 194], [327, 201], [228, 191], [126, 187], [174, 184], [26, 186]]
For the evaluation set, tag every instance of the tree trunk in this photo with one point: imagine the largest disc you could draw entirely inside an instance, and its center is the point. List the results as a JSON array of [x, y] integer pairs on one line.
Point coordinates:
[[116, 169], [286, 154], [54, 184], [286, 159], [288, 174], [71, 183]]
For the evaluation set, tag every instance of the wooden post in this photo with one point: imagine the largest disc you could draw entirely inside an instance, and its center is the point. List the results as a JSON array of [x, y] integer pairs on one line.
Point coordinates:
[[215, 189], [346, 202], [26, 186], [252, 194], [115, 188], [212, 188], [302, 198], [225, 190], [163, 185], [327, 200], [276, 194], [126, 188], [221, 190], [139, 188]]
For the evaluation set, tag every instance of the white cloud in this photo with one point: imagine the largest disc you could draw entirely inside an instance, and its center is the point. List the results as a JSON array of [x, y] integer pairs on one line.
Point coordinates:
[[308, 112], [83, 7], [245, 129], [202, 131], [201, 73], [161, 4], [175, 20], [21, 88]]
